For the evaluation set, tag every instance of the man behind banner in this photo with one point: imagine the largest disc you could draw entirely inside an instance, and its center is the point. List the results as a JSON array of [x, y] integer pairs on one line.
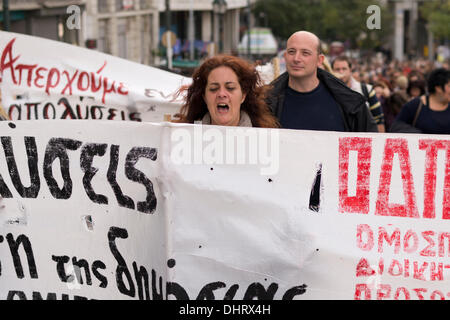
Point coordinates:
[[307, 97]]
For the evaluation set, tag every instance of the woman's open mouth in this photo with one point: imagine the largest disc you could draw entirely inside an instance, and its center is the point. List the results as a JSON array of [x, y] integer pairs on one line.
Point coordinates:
[[222, 108]]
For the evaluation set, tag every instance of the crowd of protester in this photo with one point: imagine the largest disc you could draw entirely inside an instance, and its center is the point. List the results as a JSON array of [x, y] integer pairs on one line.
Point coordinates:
[[395, 83]]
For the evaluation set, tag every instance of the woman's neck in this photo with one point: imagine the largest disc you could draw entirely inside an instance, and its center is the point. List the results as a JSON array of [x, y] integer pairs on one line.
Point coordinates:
[[437, 104]]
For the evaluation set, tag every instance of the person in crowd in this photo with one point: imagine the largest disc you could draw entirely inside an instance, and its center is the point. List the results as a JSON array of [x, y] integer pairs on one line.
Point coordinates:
[[428, 113], [356, 75], [383, 94], [227, 91], [325, 65], [401, 84], [342, 67], [391, 102], [309, 98], [415, 75], [416, 88]]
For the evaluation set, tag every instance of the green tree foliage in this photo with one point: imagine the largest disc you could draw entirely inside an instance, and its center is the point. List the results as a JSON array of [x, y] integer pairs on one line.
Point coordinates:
[[437, 13], [331, 20]]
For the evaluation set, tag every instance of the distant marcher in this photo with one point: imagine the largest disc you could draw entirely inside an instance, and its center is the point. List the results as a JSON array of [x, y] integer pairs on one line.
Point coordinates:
[[342, 68], [226, 91], [401, 84], [416, 88], [307, 97], [428, 113]]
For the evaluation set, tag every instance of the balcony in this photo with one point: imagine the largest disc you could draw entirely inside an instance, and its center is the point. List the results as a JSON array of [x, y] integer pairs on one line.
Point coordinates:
[[39, 4]]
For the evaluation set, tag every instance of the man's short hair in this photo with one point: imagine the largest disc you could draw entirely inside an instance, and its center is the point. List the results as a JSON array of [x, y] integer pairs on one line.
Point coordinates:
[[342, 58], [319, 47], [438, 78]]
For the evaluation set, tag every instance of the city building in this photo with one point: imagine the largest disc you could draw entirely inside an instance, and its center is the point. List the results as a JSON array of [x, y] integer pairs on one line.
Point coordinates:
[[223, 26], [123, 28], [132, 29], [45, 19], [411, 36]]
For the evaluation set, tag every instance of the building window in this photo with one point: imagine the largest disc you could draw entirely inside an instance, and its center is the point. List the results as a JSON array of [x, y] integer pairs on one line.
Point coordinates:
[[122, 38], [102, 6], [102, 43], [144, 4], [124, 5]]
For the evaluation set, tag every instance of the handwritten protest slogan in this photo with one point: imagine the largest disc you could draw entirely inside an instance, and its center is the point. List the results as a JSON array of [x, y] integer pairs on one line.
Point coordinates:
[[44, 79], [99, 210]]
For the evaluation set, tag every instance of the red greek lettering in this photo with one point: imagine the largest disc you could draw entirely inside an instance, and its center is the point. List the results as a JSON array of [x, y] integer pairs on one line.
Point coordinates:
[[419, 291], [406, 268], [384, 291], [121, 90], [83, 75], [363, 268], [442, 243], [50, 84], [427, 252], [431, 151], [437, 274], [69, 82], [418, 272], [39, 76], [382, 235], [446, 200], [383, 207], [407, 247], [362, 288], [30, 69], [7, 53], [360, 202], [368, 244], [405, 293], [395, 264], [107, 90], [94, 87], [437, 293]]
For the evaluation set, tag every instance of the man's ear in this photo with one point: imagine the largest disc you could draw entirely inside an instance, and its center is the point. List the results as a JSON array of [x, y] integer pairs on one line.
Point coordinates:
[[321, 59]]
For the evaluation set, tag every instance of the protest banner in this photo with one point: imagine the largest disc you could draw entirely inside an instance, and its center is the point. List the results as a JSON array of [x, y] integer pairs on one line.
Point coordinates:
[[127, 210], [46, 79]]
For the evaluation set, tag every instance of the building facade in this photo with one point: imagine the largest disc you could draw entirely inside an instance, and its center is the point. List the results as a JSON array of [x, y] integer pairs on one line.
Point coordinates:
[[411, 36], [223, 30], [47, 19], [123, 28]]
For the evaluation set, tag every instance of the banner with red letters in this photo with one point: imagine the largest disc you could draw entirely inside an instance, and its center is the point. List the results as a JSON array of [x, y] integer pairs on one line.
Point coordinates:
[[43, 79], [126, 210]]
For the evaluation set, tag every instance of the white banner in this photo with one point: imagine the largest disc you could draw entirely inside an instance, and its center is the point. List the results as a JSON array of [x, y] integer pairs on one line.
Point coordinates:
[[45, 79], [148, 211]]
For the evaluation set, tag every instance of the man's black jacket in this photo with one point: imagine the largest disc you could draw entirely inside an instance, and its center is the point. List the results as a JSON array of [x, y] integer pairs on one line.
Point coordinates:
[[356, 115]]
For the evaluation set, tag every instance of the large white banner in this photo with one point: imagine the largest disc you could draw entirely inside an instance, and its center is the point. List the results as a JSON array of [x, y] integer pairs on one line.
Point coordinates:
[[104, 210], [45, 79]]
